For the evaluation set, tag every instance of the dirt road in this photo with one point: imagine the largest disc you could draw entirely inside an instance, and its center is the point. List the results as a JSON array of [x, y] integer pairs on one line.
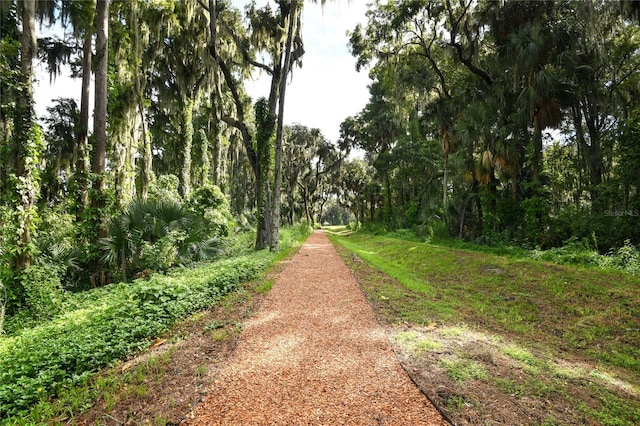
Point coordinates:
[[314, 355]]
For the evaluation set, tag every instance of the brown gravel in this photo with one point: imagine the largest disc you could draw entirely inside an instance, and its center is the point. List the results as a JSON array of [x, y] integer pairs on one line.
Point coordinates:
[[314, 355]]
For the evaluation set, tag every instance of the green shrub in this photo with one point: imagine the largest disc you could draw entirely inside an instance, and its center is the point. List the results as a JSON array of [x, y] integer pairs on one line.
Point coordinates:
[[165, 187], [626, 258], [207, 197], [96, 328], [108, 324], [209, 203], [163, 227], [163, 254], [43, 290], [353, 225], [535, 216], [435, 230]]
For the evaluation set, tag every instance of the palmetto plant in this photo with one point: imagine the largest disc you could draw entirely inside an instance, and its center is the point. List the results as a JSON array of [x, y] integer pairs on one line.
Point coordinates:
[[157, 234]]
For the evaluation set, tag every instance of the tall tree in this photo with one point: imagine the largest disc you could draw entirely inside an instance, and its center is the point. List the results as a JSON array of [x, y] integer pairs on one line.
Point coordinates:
[[83, 159], [62, 150], [269, 35], [28, 142], [98, 193], [9, 84], [185, 69], [292, 32]]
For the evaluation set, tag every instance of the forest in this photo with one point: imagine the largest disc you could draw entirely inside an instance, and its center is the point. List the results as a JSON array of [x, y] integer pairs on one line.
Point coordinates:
[[493, 122], [496, 122]]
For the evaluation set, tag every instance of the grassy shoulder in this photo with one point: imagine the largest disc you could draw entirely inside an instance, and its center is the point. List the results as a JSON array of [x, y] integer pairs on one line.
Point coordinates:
[[557, 342], [102, 327]]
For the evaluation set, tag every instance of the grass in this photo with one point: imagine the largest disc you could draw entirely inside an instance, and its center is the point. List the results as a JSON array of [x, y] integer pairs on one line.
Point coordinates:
[[463, 370], [416, 342], [557, 329]]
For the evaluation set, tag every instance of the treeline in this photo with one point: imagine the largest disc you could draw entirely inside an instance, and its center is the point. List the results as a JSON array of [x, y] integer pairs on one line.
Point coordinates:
[[175, 156], [500, 121], [492, 121]]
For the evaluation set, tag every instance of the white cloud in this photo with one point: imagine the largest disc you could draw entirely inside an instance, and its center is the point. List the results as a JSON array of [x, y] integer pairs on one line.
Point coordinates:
[[327, 89]]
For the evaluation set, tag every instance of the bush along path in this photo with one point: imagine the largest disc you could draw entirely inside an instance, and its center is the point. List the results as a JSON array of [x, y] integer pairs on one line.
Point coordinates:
[[314, 354], [104, 326]]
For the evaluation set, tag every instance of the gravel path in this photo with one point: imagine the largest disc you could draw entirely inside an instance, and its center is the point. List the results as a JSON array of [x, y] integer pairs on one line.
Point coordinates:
[[314, 355]]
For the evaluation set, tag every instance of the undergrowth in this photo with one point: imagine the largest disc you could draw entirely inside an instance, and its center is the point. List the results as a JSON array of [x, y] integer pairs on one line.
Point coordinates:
[[99, 327], [573, 252]]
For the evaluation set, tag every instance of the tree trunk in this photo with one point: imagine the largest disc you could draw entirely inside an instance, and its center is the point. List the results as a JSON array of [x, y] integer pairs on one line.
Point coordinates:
[[387, 208], [146, 166], [254, 156], [290, 196], [307, 212], [98, 201], [146, 159], [83, 162], [216, 97], [591, 154], [445, 182], [264, 213], [27, 151], [536, 155], [217, 133], [187, 137], [204, 153]]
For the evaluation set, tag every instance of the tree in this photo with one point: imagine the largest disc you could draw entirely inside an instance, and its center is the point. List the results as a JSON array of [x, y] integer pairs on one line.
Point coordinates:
[[9, 84], [28, 143], [292, 32], [83, 159], [352, 195], [269, 32], [184, 68], [62, 150], [98, 194], [488, 79], [100, 109]]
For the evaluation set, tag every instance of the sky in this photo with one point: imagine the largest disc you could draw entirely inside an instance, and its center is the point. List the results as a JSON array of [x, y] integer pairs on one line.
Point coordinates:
[[321, 94], [327, 89]]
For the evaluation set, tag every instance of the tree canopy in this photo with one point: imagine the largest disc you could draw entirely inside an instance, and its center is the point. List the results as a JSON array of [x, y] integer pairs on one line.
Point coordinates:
[[517, 113]]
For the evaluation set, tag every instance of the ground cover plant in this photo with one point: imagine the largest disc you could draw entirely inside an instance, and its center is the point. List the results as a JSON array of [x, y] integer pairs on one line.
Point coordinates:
[[574, 251], [491, 338], [108, 324]]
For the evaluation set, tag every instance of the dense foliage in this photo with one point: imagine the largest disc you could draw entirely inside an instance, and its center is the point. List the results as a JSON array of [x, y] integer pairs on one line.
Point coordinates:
[[492, 121], [185, 160], [99, 327], [507, 121]]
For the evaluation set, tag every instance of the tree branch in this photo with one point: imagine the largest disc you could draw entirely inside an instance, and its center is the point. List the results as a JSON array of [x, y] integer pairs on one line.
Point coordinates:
[[244, 51], [434, 64], [204, 6], [458, 47], [240, 122]]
